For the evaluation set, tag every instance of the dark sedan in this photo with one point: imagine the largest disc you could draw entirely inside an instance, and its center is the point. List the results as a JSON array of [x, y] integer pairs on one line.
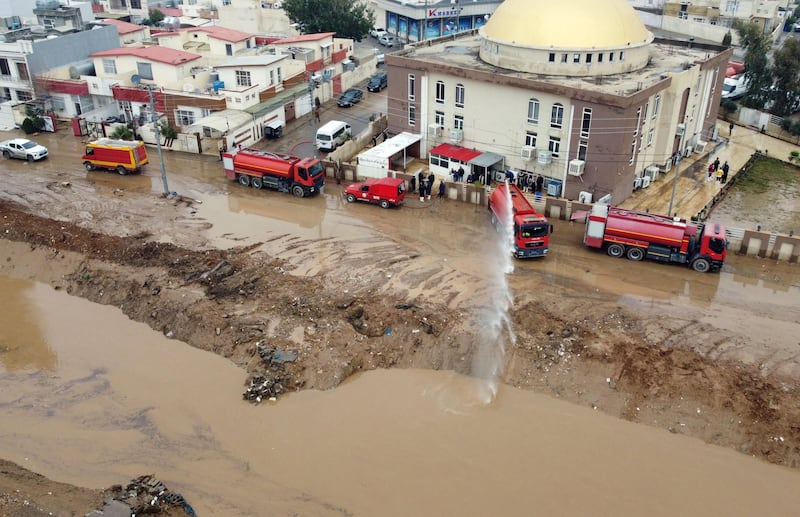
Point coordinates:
[[350, 97]]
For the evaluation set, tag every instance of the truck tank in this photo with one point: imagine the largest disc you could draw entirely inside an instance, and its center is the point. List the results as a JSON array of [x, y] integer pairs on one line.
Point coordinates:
[[652, 228]]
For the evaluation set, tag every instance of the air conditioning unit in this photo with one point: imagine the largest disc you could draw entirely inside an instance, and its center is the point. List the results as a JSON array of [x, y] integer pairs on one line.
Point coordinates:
[[680, 130], [316, 77], [637, 183], [456, 135], [651, 172], [585, 197], [528, 152], [544, 157], [576, 167], [645, 182], [434, 130], [700, 147]]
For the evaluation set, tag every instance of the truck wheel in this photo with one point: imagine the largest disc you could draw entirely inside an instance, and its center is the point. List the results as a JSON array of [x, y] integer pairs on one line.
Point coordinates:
[[384, 203], [635, 253], [88, 166], [616, 250], [256, 183], [701, 265], [122, 171], [350, 198], [244, 180], [297, 190]]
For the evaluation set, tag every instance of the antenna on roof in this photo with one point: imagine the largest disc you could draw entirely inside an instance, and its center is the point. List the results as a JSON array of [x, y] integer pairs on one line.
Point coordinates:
[[136, 79]]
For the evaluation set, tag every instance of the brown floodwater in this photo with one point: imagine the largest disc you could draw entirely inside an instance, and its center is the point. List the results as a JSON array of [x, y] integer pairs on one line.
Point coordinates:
[[91, 398]]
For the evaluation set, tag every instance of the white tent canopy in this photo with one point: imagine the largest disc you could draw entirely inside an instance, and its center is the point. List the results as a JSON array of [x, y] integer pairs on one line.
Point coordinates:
[[382, 154]]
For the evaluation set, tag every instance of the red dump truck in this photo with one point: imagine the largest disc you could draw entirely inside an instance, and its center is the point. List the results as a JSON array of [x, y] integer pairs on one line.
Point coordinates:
[[640, 235], [531, 229], [284, 172]]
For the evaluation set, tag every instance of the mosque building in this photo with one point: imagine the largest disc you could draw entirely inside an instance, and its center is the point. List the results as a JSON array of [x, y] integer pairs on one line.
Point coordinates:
[[579, 92]]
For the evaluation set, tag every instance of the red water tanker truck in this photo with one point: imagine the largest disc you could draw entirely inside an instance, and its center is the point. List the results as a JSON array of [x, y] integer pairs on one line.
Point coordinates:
[[531, 229], [283, 172], [640, 235]]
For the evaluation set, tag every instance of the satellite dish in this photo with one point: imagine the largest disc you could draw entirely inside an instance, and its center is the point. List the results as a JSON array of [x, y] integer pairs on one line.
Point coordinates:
[[136, 79]]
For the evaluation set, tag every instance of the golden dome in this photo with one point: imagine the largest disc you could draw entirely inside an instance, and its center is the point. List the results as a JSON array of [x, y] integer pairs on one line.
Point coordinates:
[[566, 24]]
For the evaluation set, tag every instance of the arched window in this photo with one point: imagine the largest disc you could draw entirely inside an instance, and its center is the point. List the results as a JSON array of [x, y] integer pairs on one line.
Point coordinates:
[[533, 111]]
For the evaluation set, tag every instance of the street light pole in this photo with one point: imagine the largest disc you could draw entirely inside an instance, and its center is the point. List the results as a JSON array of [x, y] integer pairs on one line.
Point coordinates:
[[158, 140]]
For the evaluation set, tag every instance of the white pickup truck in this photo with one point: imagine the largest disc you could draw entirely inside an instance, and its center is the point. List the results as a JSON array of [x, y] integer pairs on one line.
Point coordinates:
[[377, 32], [734, 87], [23, 149]]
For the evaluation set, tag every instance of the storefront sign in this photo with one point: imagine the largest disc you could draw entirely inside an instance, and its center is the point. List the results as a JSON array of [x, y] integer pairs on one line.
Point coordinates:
[[444, 13]]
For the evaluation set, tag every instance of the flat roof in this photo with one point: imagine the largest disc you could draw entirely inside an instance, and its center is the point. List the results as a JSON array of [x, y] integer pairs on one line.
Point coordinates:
[[392, 146]]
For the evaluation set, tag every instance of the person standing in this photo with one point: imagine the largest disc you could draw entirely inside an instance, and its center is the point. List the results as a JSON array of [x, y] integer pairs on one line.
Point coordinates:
[[716, 164], [730, 129], [719, 175], [441, 189], [412, 184], [710, 171], [431, 179], [725, 169]]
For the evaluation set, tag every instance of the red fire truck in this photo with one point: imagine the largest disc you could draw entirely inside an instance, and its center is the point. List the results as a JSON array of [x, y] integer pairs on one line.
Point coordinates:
[[531, 229], [283, 172], [639, 235]]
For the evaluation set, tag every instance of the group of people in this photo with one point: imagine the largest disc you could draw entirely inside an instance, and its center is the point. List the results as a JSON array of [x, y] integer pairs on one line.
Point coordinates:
[[425, 185], [717, 172]]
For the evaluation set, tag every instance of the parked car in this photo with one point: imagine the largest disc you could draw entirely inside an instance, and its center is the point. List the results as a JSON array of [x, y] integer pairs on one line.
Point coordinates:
[[377, 32], [350, 97], [23, 149], [797, 27], [385, 192], [387, 40], [380, 58], [378, 82]]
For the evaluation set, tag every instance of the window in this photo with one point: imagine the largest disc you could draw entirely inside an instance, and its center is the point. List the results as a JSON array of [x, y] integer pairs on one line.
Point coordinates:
[[272, 77], [564, 58], [638, 121], [633, 152], [459, 96], [280, 75], [184, 117], [458, 122], [600, 57], [583, 147], [588, 58], [243, 78], [557, 116], [554, 146], [552, 57], [440, 92], [22, 70], [656, 105], [226, 2], [228, 49], [109, 66], [697, 88], [650, 135], [576, 58], [533, 111], [622, 55], [145, 70], [610, 57], [5, 94], [412, 115], [438, 118], [412, 85], [530, 139], [58, 103], [644, 115], [586, 122], [440, 161], [23, 95]]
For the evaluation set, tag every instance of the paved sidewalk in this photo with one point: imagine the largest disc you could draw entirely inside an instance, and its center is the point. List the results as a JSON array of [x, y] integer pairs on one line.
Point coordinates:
[[693, 192]]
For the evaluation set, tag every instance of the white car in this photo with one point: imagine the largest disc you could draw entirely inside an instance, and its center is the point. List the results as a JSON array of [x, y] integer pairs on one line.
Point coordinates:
[[23, 149], [387, 40], [377, 32]]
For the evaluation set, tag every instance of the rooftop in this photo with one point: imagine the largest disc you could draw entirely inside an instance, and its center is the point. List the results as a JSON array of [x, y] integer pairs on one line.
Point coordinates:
[[666, 56], [153, 53]]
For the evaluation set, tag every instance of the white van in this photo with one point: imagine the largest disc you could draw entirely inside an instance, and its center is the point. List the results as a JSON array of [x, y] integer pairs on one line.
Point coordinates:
[[332, 135]]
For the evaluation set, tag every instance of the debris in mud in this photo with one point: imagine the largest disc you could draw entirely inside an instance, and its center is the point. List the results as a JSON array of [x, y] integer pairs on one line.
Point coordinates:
[[272, 356], [145, 495], [263, 386]]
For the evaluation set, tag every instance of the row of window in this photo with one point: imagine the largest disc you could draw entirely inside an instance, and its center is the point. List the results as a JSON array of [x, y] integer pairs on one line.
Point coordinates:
[[588, 58]]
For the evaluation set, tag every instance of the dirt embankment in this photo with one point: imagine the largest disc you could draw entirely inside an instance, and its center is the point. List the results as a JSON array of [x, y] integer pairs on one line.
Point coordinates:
[[246, 306]]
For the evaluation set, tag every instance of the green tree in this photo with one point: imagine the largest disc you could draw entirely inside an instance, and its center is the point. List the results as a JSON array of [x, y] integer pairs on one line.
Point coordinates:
[[726, 39], [33, 120], [347, 18], [122, 133], [728, 108], [156, 17], [759, 75], [786, 70]]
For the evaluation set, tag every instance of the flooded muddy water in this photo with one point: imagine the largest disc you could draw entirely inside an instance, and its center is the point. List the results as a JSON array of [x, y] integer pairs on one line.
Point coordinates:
[[91, 398]]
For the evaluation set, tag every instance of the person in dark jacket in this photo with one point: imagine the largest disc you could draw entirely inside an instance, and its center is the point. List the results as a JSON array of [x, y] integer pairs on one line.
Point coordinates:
[[725, 169], [441, 189], [412, 184]]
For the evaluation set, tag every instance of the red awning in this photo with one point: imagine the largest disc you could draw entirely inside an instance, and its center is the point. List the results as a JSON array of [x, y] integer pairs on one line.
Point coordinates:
[[64, 86], [456, 152]]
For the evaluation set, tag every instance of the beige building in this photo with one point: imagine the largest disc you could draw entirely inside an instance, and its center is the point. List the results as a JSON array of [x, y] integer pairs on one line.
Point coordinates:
[[712, 19], [600, 109], [208, 40]]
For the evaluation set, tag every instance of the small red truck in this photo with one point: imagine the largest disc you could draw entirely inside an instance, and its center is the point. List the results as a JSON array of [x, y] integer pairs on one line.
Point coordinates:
[[640, 235], [123, 156], [531, 229], [284, 172], [382, 191]]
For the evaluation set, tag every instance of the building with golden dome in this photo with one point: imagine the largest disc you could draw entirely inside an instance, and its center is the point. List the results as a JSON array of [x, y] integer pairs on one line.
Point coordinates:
[[579, 92]]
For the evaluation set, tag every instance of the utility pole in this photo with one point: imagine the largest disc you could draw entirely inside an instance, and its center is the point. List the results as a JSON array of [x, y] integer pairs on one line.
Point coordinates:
[[158, 140], [677, 173]]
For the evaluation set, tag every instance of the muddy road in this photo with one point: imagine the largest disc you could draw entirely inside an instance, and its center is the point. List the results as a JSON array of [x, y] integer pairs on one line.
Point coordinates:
[[223, 268]]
